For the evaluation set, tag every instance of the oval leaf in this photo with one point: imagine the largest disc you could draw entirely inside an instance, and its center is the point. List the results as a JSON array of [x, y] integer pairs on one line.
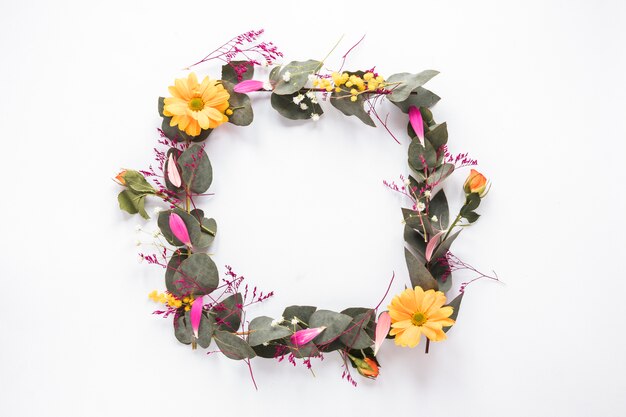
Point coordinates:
[[197, 172]]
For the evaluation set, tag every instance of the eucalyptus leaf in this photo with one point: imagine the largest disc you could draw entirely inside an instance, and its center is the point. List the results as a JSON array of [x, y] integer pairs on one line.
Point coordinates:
[[262, 331], [418, 221], [240, 105], [441, 271], [456, 305], [206, 330], [355, 336], [197, 172], [230, 75], [342, 102], [228, 313], [197, 275], [172, 266], [421, 97], [294, 76], [232, 346], [302, 313], [438, 136], [418, 155], [182, 329], [407, 83], [444, 246], [335, 324], [304, 351], [418, 273], [441, 173], [439, 207], [199, 239], [416, 242], [287, 108]]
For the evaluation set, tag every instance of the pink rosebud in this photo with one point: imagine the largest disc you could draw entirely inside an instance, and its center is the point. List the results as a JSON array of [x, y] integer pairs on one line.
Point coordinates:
[[179, 229], [417, 123], [382, 330], [196, 314], [432, 244], [248, 86], [172, 172], [302, 337]]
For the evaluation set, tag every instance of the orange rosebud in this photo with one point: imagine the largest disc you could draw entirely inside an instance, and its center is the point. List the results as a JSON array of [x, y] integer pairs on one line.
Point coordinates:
[[475, 183], [120, 177], [366, 367]]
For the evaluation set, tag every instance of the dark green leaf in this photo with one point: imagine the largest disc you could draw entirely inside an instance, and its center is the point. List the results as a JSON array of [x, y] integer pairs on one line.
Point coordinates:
[[196, 169], [206, 330], [421, 97], [419, 274], [456, 305], [299, 72], [229, 74], [440, 270], [407, 83], [302, 313], [228, 313], [416, 242], [335, 324], [471, 216], [262, 331], [304, 351], [348, 107], [197, 275], [438, 136], [441, 173], [172, 266], [419, 154], [199, 239], [439, 207], [356, 336], [417, 221], [472, 201], [240, 105], [232, 346], [182, 329], [444, 246], [285, 105]]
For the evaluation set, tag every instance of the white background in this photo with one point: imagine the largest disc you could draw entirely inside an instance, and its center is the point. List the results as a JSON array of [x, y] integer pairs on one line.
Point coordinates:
[[533, 89]]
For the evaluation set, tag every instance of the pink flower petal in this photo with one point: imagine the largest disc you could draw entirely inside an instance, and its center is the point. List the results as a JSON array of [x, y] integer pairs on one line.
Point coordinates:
[[172, 172], [248, 86], [415, 117], [432, 244], [179, 229], [196, 314], [382, 330], [302, 337]]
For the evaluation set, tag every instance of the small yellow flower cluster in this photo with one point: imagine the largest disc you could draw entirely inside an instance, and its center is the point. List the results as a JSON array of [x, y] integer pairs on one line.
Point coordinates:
[[171, 300], [354, 83]]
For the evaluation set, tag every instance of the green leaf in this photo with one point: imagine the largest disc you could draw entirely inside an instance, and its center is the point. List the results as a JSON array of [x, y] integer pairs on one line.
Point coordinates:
[[240, 105], [172, 266], [471, 216], [138, 183], [228, 313], [407, 83], [299, 72], [439, 207], [421, 97], [417, 221], [441, 173], [335, 324], [199, 239], [268, 352], [285, 105], [442, 273], [419, 153], [472, 201], [342, 102], [229, 74], [232, 346], [184, 332], [302, 313], [197, 275], [438, 136], [420, 276], [444, 246], [262, 331], [355, 336], [456, 305], [206, 330], [132, 203], [182, 329], [196, 169], [304, 351], [174, 133], [416, 242]]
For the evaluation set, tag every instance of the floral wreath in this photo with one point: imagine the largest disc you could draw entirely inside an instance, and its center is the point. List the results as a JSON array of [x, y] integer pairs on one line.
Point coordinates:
[[206, 309]]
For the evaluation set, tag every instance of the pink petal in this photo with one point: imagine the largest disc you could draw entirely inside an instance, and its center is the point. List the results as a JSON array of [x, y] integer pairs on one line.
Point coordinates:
[[415, 117], [302, 337], [432, 244], [248, 86], [177, 225], [382, 330], [172, 172], [196, 314]]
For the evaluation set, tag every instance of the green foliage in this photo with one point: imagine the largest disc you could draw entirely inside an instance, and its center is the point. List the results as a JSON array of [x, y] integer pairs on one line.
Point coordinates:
[[439, 207], [420, 97], [132, 203], [182, 329], [438, 136], [232, 346], [356, 336], [342, 102], [335, 324], [416, 242], [262, 331], [439, 174], [419, 154], [407, 83], [240, 105], [184, 332], [196, 275], [228, 313], [456, 305], [136, 182], [418, 273], [201, 235], [172, 266], [299, 72], [197, 172], [229, 74], [444, 246], [418, 221], [285, 105], [302, 313]]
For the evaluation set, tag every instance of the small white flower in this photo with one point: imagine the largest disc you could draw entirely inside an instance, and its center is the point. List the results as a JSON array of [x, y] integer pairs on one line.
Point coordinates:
[[427, 193], [267, 86], [310, 94], [266, 343], [434, 218], [277, 321], [297, 99], [303, 106], [286, 76], [315, 117], [421, 206], [294, 321], [314, 100], [407, 182]]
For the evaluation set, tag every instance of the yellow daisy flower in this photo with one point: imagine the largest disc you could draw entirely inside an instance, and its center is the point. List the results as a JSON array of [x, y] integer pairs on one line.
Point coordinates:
[[196, 106], [415, 311]]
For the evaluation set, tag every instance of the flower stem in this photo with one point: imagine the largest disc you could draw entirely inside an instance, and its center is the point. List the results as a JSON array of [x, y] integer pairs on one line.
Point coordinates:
[[452, 226]]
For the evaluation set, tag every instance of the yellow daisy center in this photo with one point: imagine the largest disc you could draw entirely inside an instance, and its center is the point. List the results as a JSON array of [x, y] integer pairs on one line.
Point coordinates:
[[196, 104], [418, 319]]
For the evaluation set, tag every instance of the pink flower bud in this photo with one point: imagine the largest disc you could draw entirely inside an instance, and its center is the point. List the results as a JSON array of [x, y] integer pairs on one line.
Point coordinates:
[[248, 86], [179, 229], [417, 123], [382, 329], [172, 172], [302, 337], [196, 314]]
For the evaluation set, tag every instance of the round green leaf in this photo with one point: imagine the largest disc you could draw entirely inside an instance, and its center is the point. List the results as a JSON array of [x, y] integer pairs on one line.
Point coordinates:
[[197, 172], [197, 275]]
